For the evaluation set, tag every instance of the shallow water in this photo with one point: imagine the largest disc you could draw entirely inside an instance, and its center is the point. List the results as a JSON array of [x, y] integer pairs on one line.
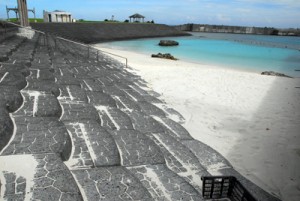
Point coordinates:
[[245, 52]]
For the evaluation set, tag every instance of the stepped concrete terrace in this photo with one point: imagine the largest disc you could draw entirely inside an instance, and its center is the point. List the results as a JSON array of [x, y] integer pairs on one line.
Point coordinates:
[[100, 32], [74, 128]]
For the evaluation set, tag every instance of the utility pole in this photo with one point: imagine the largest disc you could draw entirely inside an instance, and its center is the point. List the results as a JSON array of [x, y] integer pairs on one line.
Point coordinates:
[[23, 13]]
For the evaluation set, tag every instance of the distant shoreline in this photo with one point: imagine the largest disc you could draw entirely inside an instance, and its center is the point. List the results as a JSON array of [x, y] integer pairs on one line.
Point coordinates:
[[238, 29], [203, 51]]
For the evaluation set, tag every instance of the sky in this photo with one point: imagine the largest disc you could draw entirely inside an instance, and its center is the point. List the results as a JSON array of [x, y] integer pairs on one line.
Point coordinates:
[[261, 13]]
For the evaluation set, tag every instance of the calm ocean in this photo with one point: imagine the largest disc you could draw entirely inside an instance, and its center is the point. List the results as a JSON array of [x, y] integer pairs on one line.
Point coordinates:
[[246, 52]]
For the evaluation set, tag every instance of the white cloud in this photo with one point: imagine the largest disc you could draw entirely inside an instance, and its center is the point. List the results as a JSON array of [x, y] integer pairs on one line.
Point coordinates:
[[223, 18], [290, 3]]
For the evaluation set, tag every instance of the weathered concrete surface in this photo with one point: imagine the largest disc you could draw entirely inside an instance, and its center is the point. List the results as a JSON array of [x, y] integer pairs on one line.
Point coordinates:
[[137, 149], [10, 98], [110, 183], [6, 127], [40, 177], [163, 184], [36, 135], [99, 32], [212, 160], [239, 29], [93, 146], [87, 130]]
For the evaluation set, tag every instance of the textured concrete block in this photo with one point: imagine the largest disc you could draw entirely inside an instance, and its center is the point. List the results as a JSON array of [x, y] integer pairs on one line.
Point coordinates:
[[111, 183], [137, 149]]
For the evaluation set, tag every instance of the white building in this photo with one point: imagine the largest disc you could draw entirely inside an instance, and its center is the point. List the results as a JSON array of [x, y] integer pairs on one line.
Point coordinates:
[[57, 16]]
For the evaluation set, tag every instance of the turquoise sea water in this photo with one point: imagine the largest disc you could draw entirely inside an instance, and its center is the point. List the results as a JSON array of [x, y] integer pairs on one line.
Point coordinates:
[[245, 52]]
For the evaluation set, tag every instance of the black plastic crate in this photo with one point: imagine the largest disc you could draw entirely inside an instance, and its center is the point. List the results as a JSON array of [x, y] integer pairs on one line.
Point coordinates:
[[219, 187]]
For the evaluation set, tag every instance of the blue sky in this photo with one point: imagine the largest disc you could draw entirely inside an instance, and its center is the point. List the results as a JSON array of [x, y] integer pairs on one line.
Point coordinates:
[[270, 13]]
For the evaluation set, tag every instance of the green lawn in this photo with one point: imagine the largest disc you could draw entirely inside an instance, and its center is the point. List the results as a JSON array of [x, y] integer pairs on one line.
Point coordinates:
[[30, 20]]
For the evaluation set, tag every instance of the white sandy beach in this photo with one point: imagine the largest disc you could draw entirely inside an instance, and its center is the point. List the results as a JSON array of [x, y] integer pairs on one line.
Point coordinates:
[[251, 119]]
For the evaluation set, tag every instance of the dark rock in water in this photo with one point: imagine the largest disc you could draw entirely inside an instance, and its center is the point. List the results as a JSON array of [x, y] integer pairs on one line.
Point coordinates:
[[164, 56], [168, 43], [272, 73]]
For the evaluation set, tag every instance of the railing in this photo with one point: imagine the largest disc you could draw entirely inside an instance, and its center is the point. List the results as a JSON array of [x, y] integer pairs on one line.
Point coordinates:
[[70, 41], [91, 47], [114, 55]]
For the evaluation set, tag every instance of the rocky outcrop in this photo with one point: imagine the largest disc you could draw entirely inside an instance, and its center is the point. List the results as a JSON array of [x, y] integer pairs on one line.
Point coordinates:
[[168, 43], [164, 56], [272, 73]]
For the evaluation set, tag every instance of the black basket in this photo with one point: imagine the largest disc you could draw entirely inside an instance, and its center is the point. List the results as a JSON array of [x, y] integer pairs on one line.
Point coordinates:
[[229, 187]]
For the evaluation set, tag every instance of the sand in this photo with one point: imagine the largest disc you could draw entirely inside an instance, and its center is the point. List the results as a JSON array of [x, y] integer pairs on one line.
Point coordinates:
[[251, 119]]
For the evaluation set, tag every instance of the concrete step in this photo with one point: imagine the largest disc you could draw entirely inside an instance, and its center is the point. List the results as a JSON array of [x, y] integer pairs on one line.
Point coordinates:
[[72, 93], [7, 47], [10, 98], [36, 135], [163, 184], [144, 123], [45, 86], [6, 127], [62, 70], [101, 99], [93, 146], [180, 159], [75, 112], [114, 119], [112, 90], [38, 177], [39, 104], [15, 68], [13, 79], [67, 80], [137, 149], [91, 84], [41, 74], [127, 105], [173, 128], [151, 109], [110, 183], [42, 66]]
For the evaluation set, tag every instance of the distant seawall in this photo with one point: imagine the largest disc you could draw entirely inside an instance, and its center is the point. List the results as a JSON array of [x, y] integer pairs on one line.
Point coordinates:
[[101, 32], [237, 29]]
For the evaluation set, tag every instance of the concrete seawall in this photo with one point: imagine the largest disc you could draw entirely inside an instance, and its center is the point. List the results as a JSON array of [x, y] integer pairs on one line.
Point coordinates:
[[101, 32], [237, 29]]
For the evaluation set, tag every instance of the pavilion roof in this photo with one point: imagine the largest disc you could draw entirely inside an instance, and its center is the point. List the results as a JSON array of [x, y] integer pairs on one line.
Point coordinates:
[[136, 16]]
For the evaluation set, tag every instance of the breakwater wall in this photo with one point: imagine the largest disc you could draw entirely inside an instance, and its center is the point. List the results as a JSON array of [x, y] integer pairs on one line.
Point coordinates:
[[101, 32], [237, 29]]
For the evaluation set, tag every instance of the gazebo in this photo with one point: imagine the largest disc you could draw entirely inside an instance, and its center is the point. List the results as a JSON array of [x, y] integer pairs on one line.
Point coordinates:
[[136, 17]]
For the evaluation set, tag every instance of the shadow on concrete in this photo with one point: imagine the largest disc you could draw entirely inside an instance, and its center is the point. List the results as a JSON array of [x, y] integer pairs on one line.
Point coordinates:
[[272, 138]]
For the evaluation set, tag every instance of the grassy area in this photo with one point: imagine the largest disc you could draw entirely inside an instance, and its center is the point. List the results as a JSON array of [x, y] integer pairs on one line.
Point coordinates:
[[37, 20], [111, 21], [89, 21], [30, 20]]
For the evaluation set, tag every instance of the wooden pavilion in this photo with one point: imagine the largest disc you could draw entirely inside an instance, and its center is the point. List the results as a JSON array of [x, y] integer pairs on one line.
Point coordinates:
[[136, 18]]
